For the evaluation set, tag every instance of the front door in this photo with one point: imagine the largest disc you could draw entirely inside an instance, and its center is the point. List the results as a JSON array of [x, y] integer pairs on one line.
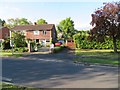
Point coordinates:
[[44, 43]]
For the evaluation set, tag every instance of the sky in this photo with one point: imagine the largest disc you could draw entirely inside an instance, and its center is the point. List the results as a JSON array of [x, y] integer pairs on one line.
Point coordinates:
[[53, 12]]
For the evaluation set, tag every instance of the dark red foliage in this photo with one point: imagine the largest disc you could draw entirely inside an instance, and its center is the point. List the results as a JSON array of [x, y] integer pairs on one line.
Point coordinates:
[[106, 22]]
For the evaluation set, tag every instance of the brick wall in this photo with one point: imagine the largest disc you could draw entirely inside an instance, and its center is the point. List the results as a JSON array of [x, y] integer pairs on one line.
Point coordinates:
[[0, 34], [70, 44], [30, 35], [4, 33]]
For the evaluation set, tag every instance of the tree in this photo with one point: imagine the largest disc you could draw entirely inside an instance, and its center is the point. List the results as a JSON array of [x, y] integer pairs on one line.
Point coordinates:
[[18, 39], [66, 28], [2, 22], [106, 22], [18, 21], [41, 21], [23, 21]]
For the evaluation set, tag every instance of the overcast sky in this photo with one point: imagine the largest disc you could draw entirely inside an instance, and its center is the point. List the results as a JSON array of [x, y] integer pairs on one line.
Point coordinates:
[[53, 12]]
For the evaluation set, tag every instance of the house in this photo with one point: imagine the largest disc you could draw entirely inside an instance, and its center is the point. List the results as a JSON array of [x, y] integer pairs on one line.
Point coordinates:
[[43, 33], [4, 33]]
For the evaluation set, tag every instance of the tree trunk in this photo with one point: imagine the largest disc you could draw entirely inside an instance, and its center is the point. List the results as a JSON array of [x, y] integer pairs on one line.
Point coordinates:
[[115, 44]]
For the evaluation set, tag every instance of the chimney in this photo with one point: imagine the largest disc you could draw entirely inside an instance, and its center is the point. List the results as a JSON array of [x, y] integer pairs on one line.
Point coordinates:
[[35, 23]]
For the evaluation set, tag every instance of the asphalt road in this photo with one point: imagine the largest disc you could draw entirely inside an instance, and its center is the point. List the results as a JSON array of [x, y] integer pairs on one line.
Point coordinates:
[[57, 71]]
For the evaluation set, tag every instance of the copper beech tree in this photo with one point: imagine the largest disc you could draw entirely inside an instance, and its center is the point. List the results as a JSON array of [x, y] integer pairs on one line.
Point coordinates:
[[106, 22]]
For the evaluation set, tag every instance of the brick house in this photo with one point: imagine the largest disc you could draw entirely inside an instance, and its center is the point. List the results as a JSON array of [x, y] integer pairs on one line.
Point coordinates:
[[39, 33], [4, 33]]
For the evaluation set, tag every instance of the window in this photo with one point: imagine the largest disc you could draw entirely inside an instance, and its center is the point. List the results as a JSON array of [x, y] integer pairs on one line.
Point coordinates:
[[47, 40], [44, 32], [6, 35], [36, 32]]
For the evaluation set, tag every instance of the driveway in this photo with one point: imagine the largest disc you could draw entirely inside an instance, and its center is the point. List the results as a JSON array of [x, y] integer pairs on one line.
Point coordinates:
[[57, 71]]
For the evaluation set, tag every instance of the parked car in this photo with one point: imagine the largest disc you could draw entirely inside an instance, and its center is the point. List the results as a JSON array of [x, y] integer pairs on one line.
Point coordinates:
[[58, 44], [61, 41]]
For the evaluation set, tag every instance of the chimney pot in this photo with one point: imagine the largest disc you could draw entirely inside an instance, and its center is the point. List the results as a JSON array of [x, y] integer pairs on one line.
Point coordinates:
[[35, 23]]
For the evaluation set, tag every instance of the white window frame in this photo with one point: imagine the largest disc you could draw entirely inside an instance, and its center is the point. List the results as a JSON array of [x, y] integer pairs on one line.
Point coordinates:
[[44, 32], [36, 32]]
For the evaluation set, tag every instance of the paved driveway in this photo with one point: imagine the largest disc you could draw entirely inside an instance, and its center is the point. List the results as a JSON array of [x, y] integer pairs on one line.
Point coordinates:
[[57, 71]]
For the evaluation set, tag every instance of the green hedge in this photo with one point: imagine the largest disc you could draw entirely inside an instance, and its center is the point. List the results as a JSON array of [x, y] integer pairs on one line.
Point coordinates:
[[82, 42], [21, 49], [58, 49], [5, 44]]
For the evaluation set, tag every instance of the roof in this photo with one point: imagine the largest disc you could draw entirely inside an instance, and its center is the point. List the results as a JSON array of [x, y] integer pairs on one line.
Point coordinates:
[[34, 27], [2, 28]]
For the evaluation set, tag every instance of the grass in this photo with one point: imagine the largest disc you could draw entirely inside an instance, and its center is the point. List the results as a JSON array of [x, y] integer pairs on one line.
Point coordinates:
[[98, 56], [6, 86], [10, 54]]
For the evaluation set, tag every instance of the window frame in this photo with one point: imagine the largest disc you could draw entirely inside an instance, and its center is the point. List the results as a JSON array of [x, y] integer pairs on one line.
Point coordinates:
[[44, 32], [36, 32]]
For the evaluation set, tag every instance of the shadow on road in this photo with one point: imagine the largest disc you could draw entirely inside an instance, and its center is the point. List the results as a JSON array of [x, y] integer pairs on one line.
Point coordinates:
[[65, 55], [42, 73]]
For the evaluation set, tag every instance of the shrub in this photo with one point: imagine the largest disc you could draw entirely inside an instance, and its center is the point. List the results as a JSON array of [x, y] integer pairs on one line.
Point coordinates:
[[19, 39], [48, 45], [58, 49], [21, 49], [81, 41], [6, 44], [7, 50], [39, 45]]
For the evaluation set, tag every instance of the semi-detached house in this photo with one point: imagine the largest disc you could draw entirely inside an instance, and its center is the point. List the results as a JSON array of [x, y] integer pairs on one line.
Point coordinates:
[[4, 33], [39, 33]]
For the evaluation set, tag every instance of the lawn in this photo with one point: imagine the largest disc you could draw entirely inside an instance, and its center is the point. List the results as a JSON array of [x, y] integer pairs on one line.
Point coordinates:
[[6, 86], [97, 56], [10, 54]]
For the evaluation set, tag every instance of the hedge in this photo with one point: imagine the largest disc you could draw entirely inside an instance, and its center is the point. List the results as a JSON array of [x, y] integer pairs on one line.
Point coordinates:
[[82, 42], [58, 49]]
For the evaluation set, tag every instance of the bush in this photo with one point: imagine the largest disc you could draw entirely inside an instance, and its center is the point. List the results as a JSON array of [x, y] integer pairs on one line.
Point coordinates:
[[39, 45], [48, 45], [58, 49], [7, 50], [5, 44], [21, 49], [19, 40], [81, 41]]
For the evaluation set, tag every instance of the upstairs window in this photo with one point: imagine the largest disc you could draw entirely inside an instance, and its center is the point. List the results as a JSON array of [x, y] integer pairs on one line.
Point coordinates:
[[44, 32], [36, 32]]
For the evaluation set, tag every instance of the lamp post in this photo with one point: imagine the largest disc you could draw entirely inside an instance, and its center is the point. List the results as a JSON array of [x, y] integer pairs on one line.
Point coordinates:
[[12, 44]]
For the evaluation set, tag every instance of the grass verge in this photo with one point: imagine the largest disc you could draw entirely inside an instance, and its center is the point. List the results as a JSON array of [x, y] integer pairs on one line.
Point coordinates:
[[6, 86], [98, 56], [10, 54]]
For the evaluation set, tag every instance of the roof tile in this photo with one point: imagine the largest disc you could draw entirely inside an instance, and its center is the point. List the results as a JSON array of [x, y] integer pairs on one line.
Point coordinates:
[[34, 27]]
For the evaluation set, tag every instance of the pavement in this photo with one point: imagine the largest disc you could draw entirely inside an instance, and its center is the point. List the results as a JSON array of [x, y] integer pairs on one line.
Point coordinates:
[[57, 71]]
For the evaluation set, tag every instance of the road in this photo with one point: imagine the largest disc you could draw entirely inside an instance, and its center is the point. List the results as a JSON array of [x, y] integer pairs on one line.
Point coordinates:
[[57, 71]]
